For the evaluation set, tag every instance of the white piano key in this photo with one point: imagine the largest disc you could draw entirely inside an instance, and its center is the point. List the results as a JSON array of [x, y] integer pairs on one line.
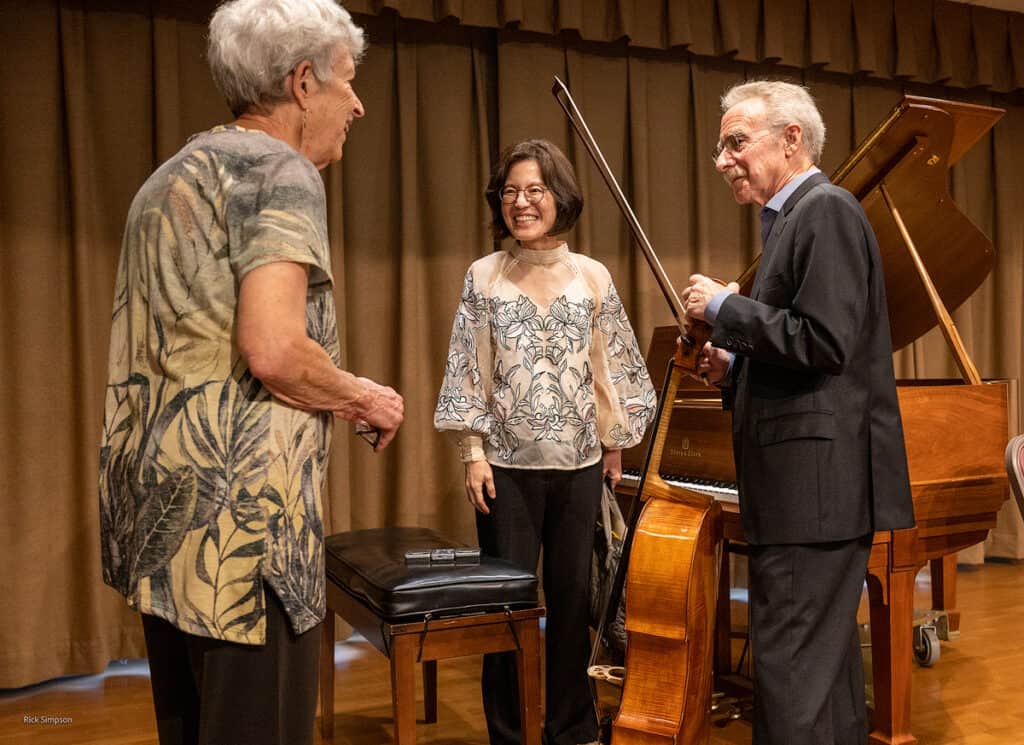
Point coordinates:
[[721, 493]]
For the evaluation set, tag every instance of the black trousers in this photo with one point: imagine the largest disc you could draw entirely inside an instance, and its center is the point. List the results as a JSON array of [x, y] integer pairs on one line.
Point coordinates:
[[556, 509], [808, 674], [212, 692]]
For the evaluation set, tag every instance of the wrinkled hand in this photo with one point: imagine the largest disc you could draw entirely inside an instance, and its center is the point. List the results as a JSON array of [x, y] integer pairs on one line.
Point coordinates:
[[383, 410], [479, 479], [613, 466], [698, 294], [713, 364]]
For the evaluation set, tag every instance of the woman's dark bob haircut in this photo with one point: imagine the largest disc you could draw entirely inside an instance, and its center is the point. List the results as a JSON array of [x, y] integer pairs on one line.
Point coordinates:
[[559, 178]]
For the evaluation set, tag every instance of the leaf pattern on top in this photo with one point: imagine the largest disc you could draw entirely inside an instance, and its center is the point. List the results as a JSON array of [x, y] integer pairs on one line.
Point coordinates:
[[209, 487], [162, 521]]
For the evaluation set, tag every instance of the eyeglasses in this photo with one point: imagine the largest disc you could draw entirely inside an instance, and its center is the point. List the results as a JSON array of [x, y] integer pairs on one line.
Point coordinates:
[[533, 194], [368, 433], [736, 143]]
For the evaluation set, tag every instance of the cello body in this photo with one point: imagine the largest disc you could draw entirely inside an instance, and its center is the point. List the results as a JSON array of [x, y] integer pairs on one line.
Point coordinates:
[[671, 593], [672, 552]]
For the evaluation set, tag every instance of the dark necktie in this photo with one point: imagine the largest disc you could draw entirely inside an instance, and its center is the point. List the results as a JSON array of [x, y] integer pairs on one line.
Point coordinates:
[[768, 216]]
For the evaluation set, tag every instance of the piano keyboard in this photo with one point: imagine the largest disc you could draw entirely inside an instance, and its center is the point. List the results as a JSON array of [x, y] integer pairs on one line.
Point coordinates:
[[724, 491]]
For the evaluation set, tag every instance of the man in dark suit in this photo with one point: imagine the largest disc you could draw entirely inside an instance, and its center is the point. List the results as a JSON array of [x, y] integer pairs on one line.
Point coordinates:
[[806, 364]]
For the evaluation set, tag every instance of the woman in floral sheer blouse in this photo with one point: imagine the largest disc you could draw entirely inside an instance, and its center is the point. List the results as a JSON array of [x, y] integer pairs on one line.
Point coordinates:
[[543, 386]]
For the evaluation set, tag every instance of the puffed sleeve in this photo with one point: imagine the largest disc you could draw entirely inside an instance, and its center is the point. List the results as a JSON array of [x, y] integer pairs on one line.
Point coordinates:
[[626, 400], [462, 402]]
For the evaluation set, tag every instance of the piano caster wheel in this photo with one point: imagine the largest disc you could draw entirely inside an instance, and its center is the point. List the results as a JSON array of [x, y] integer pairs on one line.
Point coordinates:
[[926, 645]]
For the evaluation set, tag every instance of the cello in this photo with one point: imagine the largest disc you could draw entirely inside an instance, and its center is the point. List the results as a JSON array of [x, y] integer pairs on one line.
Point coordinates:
[[671, 554]]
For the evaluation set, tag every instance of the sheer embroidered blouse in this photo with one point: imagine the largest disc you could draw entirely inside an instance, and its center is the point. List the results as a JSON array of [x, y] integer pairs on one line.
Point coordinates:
[[543, 366]]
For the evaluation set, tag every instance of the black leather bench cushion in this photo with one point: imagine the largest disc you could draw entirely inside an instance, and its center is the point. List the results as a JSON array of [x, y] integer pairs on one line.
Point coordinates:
[[370, 566]]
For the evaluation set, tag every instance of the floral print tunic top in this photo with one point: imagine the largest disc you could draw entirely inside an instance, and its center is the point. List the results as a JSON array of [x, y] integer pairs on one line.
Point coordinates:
[[543, 366], [209, 486]]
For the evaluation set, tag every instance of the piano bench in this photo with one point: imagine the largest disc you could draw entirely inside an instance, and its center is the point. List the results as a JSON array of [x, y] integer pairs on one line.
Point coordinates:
[[425, 613]]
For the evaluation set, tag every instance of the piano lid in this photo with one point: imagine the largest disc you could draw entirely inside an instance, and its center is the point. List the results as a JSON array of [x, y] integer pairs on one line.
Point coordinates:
[[911, 152]]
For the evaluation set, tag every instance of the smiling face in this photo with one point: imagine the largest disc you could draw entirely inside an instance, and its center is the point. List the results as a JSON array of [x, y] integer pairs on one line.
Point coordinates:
[[530, 224], [331, 107], [754, 160]]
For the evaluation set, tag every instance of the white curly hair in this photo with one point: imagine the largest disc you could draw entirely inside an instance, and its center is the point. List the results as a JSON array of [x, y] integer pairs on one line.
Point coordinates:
[[784, 103], [254, 44]]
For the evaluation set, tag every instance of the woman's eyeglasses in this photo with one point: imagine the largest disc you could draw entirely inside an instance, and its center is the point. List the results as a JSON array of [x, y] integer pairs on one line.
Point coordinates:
[[533, 194]]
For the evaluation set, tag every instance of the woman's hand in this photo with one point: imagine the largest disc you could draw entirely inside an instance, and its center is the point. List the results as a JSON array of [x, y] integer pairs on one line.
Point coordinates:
[[479, 479], [613, 466]]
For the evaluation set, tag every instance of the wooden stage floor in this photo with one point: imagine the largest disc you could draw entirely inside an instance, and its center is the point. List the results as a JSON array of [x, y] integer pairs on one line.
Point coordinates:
[[972, 696]]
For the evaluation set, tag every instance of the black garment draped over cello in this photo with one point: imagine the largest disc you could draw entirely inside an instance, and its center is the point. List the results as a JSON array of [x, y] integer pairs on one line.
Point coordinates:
[[816, 424]]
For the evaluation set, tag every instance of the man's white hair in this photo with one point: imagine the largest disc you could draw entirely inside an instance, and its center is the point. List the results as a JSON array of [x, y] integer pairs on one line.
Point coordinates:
[[784, 103], [254, 45]]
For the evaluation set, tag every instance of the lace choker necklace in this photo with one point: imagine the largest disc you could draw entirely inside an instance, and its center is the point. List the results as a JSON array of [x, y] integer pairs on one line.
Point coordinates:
[[540, 256]]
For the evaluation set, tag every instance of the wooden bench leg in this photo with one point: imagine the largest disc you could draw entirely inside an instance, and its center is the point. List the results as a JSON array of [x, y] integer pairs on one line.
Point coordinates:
[[430, 691], [528, 667], [327, 678], [403, 686]]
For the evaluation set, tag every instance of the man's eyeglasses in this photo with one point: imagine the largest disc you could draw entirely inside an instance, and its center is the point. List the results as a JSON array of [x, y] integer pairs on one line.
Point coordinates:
[[533, 194], [736, 143]]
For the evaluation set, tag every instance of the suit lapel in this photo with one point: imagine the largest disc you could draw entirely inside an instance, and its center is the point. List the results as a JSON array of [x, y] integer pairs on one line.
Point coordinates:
[[780, 224]]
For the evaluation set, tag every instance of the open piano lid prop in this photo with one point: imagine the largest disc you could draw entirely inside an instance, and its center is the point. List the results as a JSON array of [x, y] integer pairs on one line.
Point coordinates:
[[911, 152]]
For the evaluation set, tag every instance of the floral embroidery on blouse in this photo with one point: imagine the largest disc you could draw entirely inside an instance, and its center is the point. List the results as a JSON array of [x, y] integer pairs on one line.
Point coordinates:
[[528, 380]]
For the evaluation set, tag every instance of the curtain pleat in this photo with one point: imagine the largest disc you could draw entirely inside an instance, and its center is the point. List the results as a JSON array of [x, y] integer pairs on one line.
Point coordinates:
[[732, 16], [675, 25], [955, 44], [96, 94], [695, 18], [825, 46], [784, 33], [914, 39], [1016, 43], [990, 34]]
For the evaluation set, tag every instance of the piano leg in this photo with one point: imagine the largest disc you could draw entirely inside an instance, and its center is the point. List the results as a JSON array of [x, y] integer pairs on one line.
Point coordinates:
[[944, 591], [723, 622], [891, 651]]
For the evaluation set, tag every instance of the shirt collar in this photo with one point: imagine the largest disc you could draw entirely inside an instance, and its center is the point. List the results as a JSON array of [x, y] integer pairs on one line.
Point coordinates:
[[543, 256], [780, 197]]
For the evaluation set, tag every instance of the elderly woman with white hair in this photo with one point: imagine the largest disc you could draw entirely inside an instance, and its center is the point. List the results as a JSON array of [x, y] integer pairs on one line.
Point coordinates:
[[224, 381]]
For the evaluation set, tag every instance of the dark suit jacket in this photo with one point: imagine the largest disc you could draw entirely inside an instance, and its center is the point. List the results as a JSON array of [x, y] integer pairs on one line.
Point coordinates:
[[816, 425]]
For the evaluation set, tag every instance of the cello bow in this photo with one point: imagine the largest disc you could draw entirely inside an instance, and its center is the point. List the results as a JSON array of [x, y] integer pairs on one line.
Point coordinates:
[[693, 334]]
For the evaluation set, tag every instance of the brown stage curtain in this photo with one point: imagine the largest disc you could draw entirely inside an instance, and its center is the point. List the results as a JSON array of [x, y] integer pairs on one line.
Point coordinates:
[[922, 41], [93, 95]]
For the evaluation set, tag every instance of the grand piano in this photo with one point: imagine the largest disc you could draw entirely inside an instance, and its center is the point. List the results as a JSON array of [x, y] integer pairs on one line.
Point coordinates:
[[956, 431]]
